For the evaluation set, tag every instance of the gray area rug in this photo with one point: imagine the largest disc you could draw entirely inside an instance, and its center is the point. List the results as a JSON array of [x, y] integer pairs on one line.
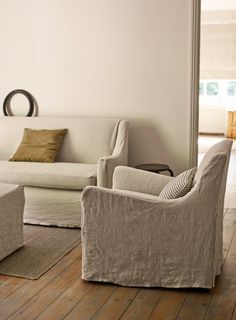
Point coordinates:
[[44, 247]]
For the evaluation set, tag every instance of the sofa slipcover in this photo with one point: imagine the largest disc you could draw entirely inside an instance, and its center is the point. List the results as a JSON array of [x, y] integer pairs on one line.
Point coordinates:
[[91, 150]]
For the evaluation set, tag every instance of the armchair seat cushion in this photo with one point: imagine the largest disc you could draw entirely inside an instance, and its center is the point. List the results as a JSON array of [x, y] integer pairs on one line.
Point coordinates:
[[59, 175]]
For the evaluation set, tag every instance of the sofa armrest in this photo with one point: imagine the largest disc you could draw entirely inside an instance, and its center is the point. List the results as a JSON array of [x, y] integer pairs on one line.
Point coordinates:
[[139, 180], [107, 164]]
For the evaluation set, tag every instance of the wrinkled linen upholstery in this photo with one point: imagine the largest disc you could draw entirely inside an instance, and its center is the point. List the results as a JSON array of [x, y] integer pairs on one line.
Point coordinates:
[[52, 207], [142, 240], [11, 215], [126, 178], [224, 146], [92, 148], [87, 139]]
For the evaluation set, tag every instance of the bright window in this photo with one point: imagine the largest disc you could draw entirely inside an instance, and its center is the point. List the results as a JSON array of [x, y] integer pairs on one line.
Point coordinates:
[[201, 88], [231, 88], [213, 88], [219, 93]]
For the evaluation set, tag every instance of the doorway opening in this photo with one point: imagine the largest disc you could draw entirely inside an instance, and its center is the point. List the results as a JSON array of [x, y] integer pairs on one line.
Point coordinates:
[[217, 87]]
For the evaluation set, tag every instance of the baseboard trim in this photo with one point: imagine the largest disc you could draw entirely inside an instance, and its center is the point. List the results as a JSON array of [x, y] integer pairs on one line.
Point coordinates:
[[211, 134]]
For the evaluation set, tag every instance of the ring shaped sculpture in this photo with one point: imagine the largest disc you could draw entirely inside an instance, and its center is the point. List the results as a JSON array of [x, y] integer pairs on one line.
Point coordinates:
[[6, 103]]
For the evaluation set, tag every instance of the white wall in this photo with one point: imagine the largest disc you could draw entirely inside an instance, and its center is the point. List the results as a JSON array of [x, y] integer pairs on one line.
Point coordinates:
[[218, 4], [106, 58], [212, 119]]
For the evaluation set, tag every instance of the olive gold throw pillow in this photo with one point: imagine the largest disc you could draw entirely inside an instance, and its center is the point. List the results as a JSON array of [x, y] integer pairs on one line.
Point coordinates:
[[39, 145]]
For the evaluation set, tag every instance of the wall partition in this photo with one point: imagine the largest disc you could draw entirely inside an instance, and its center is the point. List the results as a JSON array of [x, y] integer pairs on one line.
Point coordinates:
[[134, 59]]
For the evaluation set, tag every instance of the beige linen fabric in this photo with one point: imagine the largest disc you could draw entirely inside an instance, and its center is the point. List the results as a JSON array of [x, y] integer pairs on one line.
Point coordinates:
[[87, 139], [52, 207], [91, 150], [223, 146], [139, 180], [107, 164], [11, 216], [140, 240], [60, 175]]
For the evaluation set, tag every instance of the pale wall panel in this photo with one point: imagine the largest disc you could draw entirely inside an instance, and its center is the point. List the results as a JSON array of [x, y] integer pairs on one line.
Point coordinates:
[[106, 58]]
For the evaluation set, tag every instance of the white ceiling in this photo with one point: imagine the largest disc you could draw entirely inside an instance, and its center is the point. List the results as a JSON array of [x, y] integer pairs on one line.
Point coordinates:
[[218, 4]]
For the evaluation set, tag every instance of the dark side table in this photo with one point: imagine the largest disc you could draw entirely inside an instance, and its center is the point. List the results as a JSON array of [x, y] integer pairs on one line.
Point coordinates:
[[155, 167]]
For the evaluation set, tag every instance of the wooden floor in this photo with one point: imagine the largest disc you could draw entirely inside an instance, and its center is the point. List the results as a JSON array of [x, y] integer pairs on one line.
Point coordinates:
[[61, 294]]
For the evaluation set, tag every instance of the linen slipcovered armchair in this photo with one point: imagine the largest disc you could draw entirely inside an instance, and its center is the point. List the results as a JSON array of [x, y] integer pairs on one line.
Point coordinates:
[[132, 237]]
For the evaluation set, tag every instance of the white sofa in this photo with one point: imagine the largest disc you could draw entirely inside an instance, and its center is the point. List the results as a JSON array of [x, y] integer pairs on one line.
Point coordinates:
[[91, 150]]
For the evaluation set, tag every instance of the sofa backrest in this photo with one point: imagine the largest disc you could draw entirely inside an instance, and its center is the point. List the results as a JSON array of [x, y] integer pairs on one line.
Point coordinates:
[[86, 141]]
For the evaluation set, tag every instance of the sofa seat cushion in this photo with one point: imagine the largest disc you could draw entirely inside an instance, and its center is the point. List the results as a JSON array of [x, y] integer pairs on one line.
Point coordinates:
[[59, 175]]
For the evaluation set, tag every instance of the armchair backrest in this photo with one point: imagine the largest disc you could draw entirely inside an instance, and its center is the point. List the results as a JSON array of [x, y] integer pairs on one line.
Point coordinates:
[[223, 146], [219, 152]]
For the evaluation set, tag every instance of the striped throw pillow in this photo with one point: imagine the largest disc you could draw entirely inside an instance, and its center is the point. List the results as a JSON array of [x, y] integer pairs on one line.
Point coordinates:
[[179, 186]]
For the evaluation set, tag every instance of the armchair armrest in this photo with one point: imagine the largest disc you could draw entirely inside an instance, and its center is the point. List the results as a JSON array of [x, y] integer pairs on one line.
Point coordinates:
[[107, 164], [158, 241], [139, 180]]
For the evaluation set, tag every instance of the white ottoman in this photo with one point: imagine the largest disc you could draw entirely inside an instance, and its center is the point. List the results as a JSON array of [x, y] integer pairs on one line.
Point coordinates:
[[11, 218]]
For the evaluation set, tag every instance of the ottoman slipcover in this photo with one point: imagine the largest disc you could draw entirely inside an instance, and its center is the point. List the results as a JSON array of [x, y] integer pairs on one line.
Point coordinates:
[[11, 218]]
